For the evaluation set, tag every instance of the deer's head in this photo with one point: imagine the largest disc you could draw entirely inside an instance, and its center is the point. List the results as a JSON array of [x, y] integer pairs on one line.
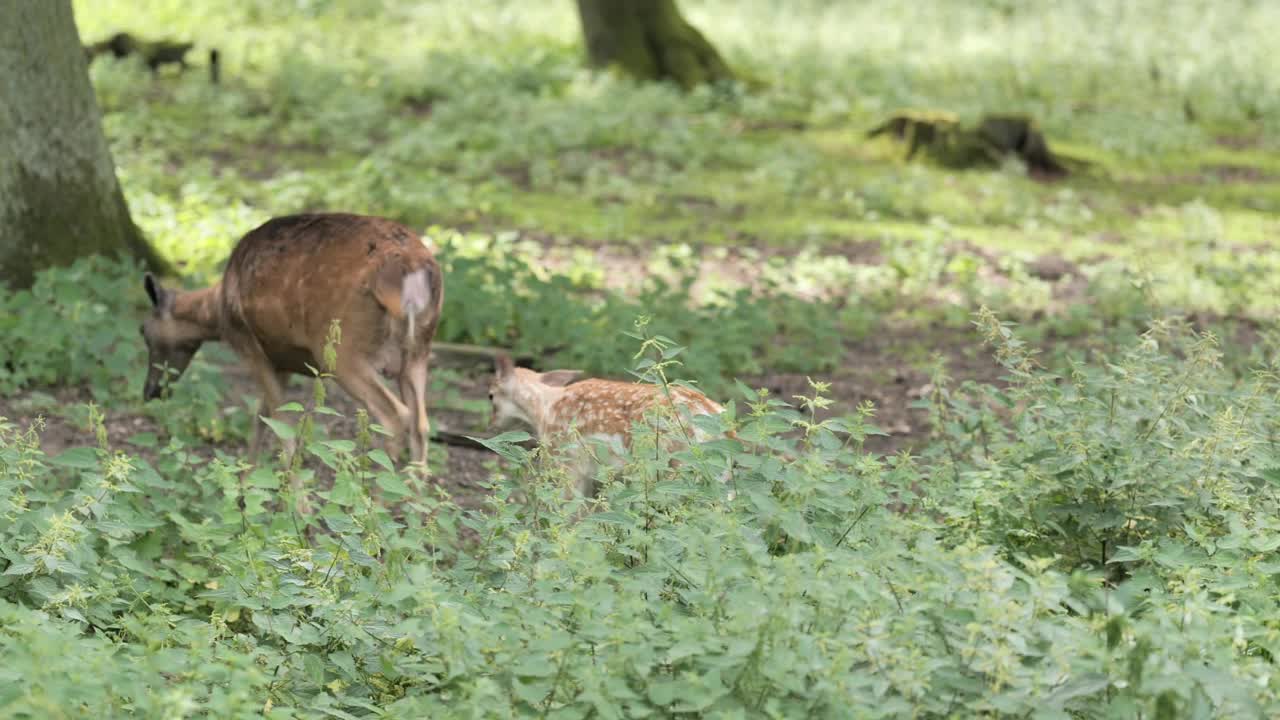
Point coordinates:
[[517, 394], [171, 341]]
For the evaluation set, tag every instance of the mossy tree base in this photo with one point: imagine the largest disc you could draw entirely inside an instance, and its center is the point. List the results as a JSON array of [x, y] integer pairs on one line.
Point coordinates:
[[59, 198], [649, 40], [994, 138]]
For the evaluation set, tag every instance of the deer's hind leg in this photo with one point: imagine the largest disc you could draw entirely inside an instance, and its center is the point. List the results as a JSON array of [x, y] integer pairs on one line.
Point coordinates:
[[414, 378]]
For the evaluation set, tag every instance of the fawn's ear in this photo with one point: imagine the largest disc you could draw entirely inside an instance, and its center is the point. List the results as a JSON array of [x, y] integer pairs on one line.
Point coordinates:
[[559, 378], [503, 365]]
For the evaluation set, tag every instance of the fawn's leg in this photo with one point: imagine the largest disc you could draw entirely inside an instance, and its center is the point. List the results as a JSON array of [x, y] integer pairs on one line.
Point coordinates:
[[413, 392], [582, 468], [362, 382]]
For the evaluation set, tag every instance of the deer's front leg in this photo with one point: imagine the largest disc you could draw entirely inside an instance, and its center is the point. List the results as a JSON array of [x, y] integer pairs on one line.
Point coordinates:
[[272, 382], [361, 382]]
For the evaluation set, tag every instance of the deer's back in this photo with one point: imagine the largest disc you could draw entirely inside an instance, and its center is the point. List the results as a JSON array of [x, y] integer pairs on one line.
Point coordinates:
[[288, 278]]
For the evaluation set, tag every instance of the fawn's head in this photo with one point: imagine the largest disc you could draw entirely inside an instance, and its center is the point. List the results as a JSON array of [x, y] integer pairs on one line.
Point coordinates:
[[515, 391], [171, 342]]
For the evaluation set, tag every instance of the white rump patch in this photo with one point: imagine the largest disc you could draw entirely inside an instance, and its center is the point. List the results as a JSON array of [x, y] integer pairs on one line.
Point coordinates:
[[415, 293]]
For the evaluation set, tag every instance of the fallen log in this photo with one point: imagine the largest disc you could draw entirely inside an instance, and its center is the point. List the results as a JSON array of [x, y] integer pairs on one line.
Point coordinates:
[[995, 137]]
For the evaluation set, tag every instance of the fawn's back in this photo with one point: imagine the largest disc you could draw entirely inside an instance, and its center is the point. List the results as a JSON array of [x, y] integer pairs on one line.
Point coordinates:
[[611, 408], [561, 411]]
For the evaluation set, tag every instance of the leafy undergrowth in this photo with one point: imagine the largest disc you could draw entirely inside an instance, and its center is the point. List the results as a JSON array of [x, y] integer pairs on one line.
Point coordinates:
[[1094, 545]]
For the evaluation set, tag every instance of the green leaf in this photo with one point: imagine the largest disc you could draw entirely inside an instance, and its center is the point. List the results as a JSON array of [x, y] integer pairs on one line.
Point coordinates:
[[534, 666], [83, 458], [505, 445], [74, 614], [795, 525], [664, 692], [283, 430], [344, 662], [612, 517], [143, 440], [264, 478], [515, 436], [1087, 685], [764, 503], [1125, 553], [1265, 543], [392, 483], [379, 456], [341, 446], [533, 693], [22, 567]]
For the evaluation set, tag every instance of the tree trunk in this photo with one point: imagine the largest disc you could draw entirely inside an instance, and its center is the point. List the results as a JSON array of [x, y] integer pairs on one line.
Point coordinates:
[[59, 198], [650, 40]]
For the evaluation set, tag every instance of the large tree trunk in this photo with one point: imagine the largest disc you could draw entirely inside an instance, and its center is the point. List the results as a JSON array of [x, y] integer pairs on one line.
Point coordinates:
[[650, 40], [59, 198]]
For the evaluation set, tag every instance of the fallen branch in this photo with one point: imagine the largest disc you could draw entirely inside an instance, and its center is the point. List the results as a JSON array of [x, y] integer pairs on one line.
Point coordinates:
[[477, 354], [154, 53], [456, 440]]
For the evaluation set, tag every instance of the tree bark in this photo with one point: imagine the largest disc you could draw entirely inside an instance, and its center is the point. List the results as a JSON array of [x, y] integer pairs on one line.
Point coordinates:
[[59, 198], [650, 40]]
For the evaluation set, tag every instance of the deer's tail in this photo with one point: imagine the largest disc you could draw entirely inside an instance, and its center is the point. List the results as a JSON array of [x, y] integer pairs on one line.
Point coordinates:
[[410, 294]]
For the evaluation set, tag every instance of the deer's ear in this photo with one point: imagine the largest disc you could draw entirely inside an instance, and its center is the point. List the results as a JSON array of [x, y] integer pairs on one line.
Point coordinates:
[[154, 291], [161, 297], [559, 378], [503, 365]]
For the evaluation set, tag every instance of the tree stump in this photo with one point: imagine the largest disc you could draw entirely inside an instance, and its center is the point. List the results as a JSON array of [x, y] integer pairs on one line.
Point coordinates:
[[649, 40]]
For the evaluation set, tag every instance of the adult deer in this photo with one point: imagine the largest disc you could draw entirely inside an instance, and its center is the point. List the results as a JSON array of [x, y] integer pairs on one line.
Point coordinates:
[[284, 284]]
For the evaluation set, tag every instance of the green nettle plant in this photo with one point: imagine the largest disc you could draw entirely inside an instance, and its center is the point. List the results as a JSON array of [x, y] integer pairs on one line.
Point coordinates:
[[1094, 545], [1154, 455]]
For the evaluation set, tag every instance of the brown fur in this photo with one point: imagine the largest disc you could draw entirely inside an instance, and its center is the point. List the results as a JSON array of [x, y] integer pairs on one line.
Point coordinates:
[[560, 410], [284, 283]]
